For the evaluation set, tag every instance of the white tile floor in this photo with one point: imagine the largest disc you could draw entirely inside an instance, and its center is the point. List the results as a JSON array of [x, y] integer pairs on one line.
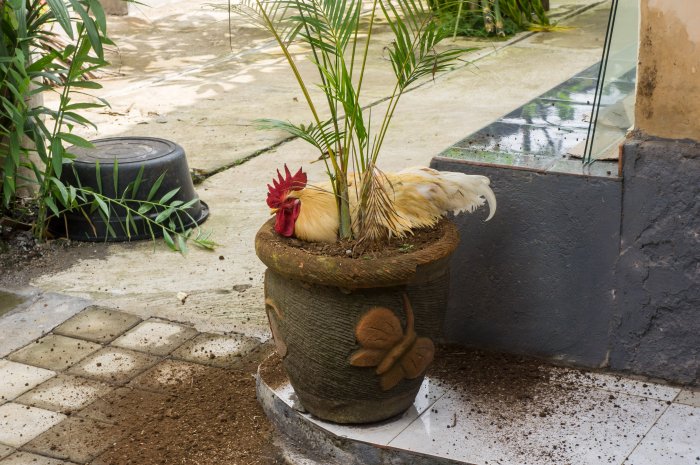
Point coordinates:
[[604, 419], [20, 424], [674, 439], [25, 458]]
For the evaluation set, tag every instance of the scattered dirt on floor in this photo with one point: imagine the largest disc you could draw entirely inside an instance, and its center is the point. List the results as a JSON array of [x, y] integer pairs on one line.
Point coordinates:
[[214, 418], [514, 394]]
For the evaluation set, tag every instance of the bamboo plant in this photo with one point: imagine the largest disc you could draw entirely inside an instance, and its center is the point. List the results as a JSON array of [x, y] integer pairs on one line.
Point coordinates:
[[339, 34], [34, 140]]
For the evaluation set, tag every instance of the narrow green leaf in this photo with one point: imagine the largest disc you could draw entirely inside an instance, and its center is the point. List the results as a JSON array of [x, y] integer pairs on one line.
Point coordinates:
[[61, 13], [155, 187], [75, 140], [169, 240]]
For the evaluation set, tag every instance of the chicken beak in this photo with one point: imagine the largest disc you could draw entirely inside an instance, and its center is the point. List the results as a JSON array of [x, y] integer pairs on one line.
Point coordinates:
[[273, 211]]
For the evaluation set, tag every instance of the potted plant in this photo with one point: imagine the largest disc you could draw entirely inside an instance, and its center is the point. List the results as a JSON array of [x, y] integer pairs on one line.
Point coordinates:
[[354, 319]]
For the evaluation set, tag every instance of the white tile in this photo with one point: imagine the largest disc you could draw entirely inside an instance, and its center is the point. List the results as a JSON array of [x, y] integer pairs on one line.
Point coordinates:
[[64, 394], [379, 433], [615, 383], [17, 378], [582, 427], [688, 398], [5, 450], [113, 365], [674, 439], [155, 337], [20, 424], [26, 458]]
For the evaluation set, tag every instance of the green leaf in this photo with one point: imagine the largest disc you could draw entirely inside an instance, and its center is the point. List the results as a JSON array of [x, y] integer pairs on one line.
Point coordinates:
[[57, 156], [98, 176], [52, 206], [169, 240], [169, 195], [89, 24], [75, 140], [182, 245], [63, 192], [165, 214], [61, 13], [155, 187], [115, 176], [103, 206]]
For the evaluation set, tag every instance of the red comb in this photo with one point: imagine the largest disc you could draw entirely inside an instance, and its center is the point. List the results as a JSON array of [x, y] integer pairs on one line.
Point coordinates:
[[284, 185]]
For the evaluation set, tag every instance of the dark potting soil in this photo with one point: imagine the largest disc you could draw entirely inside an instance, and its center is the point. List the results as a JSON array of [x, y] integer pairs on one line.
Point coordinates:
[[419, 239], [212, 419]]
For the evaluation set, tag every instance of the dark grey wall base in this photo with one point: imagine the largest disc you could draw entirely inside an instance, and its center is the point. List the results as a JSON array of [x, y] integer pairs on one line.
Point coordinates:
[[538, 278], [586, 270], [656, 329]]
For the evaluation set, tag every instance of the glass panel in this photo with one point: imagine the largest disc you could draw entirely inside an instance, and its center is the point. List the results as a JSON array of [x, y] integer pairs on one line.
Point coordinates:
[[613, 108]]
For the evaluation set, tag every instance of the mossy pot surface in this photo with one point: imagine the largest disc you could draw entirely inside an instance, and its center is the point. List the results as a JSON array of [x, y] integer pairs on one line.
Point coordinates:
[[355, 335]]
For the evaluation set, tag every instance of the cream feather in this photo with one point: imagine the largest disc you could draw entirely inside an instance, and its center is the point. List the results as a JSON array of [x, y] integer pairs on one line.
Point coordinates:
[[420, 196]]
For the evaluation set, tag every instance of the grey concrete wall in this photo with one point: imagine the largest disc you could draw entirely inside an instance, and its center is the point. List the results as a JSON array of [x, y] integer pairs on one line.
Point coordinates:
[[656, 328], [538, 278]]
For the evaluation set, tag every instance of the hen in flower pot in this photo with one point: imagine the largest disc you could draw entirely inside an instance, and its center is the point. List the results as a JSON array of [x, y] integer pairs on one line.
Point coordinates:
[[357, 267]]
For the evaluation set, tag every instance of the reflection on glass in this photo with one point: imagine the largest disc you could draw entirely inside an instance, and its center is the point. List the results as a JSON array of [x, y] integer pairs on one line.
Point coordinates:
[[613, 108]]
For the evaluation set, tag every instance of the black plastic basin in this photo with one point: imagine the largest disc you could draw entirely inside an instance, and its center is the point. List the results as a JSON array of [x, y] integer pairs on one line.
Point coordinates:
[[156, 156]]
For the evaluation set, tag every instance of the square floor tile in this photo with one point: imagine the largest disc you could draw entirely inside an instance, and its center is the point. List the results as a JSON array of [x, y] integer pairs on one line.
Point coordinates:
[[674, 439], [64, 393], [27, 458], [113, 365], [5, 450], [615, 383], [20, 423], [582, 427], [17, 378], [377, 433], [216, 350], [75, 439], [168, 376], [688, 398], [54, 352], [156, 337], [125, 405], [98, 324]]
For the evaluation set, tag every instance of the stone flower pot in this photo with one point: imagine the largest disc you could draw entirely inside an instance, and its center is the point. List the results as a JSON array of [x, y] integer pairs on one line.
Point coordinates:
[[355, 335]]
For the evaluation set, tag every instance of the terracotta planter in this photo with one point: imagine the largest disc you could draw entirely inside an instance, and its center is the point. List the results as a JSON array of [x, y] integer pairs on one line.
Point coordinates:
[[355, 335]]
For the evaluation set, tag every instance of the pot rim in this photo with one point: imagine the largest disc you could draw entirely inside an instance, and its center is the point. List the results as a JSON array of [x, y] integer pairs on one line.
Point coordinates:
[[350, 273]]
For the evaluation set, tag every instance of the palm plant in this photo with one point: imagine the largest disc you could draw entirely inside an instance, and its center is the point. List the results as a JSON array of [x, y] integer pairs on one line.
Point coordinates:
[[338, 34]]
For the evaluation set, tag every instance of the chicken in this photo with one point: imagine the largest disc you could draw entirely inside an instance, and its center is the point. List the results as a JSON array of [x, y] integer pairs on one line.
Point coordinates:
[[420, 197]]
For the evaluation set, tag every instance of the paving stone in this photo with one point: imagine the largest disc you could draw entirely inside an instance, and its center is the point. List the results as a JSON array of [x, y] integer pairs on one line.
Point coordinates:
[[98, 324], [76, 439], [158, 337], [54, 352], [27, 458], [113, 365], [5, 450], [123, 405], [168, 376], [216, 350], [65, 393], [17, 378], [20, 423]]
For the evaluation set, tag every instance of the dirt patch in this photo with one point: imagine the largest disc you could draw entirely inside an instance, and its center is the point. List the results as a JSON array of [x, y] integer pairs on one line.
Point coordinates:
[[211, 418], [352, 249], [272, 372], [22, 258]]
